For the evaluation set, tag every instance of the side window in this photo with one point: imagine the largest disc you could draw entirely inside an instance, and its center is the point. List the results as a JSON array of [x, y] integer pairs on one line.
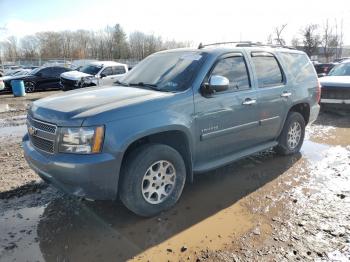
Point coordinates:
[[235, 70], [57, 71], [267, 69], [46, 72], [107, 71], [118, 70], [299, 66]]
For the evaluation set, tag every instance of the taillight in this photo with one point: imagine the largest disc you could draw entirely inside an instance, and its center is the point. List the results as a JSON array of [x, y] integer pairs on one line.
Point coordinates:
[[318, 94]]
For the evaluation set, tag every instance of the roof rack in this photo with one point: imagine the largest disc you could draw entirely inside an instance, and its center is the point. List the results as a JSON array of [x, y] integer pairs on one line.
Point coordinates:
[[245, 44]]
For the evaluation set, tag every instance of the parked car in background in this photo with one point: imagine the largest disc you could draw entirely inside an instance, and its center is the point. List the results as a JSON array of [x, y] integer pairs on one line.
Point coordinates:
[[176, 113], [94, 74], [340, 60], [336, 87], [6, 80], [323, 69], [41, 78]]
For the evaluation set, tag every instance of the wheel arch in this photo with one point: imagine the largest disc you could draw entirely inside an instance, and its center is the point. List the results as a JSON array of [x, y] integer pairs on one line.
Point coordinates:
[[175, 138], [303, 108]]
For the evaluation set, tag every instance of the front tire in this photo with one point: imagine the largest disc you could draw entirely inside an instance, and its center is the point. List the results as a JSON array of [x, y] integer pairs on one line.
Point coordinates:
[[292, 136], [152, 180], [29, 87]]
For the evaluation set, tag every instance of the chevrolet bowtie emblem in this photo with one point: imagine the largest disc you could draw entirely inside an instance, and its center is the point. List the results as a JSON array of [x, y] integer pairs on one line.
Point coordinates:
[[32, 131]]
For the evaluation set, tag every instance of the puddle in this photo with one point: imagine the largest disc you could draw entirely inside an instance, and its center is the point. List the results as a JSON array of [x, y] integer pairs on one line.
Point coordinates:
[[18, 231], [13, 131], [313, 151]]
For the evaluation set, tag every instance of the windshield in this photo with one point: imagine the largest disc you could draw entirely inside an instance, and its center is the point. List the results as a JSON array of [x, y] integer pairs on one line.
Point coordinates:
[[170, 71], [90, 69], [340, 70], [23, 72], [36, 70]]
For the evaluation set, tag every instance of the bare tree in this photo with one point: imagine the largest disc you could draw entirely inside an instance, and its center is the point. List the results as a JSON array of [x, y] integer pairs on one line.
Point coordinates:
[[329, 41], [311, 39], [295, 42], [278, 34], [29, 47]]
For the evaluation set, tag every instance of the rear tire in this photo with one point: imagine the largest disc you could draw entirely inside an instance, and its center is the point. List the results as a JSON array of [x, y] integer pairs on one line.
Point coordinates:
[[152, 179], [292, 136]]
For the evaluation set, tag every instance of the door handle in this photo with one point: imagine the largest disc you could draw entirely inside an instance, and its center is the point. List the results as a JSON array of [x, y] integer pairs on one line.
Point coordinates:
[[249, 101], [286, 94]]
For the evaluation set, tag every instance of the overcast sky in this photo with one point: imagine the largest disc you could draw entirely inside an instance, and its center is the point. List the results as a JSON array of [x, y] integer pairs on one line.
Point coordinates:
[[185, 20]]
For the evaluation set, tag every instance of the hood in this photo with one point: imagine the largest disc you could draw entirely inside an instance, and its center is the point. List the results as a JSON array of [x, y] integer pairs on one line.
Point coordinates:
[[336, 81], [74, 75], [73, 107], [6, 78]]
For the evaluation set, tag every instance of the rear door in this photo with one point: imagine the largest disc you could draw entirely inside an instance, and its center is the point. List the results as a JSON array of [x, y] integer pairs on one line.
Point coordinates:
[[226, 121], [274, 94]]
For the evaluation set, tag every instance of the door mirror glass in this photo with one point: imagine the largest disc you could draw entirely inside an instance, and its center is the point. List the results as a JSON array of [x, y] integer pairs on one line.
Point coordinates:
[[218, 83]]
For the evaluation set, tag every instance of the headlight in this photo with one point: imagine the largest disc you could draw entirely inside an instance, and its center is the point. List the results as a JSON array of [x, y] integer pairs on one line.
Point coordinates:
[[83, 140]]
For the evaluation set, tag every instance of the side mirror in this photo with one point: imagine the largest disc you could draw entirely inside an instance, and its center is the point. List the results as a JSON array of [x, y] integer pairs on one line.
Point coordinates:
[[102, 75], [217, 83]]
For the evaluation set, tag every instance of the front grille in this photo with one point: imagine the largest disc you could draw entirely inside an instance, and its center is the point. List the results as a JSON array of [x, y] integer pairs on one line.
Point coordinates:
[[42, 135], [43, 126], [335, 92], [68, 82], [42, 144]]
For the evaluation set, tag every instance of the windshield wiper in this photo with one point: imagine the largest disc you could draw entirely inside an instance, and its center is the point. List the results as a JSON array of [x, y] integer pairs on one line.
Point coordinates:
[[142, 84]]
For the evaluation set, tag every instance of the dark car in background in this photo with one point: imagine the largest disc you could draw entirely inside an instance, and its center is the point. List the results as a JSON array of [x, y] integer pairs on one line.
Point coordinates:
[[323, 69], [41, 78], [336, 88]]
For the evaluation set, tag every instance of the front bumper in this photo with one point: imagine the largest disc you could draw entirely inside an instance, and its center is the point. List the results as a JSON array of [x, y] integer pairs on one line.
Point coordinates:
[[335, 104], [90, 176]]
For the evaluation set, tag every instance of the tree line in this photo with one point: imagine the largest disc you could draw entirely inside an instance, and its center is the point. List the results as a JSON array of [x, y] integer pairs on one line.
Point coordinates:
[[314, 39], [111, 43]]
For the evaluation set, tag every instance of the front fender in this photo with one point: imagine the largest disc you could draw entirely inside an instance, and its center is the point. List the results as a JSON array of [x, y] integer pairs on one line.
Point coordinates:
[[122, 133]]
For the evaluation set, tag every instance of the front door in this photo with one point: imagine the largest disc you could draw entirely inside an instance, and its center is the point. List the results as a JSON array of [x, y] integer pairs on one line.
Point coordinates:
[[107, 77], [226, 121]]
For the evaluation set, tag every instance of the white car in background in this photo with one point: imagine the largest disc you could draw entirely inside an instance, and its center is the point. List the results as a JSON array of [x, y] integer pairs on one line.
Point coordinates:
[[13, 75], [97, 73]]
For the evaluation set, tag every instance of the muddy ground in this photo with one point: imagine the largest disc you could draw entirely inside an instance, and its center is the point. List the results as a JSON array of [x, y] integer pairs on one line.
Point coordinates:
[[262, 208]]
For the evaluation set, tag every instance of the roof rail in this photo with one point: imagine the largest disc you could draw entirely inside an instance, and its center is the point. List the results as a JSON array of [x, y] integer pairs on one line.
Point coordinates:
[[244, 44]]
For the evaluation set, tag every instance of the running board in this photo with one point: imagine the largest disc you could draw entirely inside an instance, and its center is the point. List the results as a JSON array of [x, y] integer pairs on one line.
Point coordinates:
[[231, 158]]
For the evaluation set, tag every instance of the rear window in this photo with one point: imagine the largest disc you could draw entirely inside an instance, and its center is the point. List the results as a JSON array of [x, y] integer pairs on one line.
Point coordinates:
[[299, 66], [267, 69]]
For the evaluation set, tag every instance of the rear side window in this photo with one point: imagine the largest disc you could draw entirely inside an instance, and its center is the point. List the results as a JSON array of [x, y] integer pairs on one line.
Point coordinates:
[[235, 70], [118, 70], [267, 69], [299, 66]]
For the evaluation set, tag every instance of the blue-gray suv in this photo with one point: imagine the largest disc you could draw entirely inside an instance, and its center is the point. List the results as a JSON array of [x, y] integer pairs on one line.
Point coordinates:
[[177, 113]]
